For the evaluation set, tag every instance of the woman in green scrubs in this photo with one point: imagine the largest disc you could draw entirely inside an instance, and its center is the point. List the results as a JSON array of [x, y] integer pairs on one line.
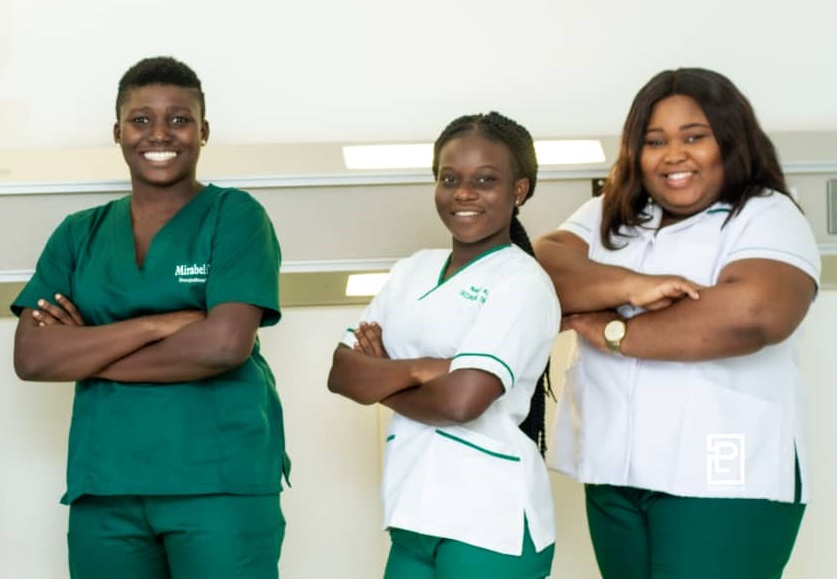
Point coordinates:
[[151, 305]]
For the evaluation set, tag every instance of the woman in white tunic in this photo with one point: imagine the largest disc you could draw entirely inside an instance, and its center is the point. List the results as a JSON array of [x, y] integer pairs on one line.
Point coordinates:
[[456, 344], [686, 282]]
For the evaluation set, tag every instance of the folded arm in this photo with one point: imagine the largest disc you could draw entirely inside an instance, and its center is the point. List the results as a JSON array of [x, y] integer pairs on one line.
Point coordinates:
[[756, 303], [58, 352], [453, 398], [53, 344], [368, 379], [221, 342], [423, 389], [584, 285]]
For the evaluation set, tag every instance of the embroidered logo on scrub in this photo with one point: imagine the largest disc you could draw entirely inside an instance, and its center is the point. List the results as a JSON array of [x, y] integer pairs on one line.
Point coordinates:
[[475, 294], [193, 273]]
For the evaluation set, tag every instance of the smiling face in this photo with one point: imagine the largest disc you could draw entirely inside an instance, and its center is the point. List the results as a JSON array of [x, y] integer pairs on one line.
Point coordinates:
[[160, 130], [681, 163], [476, 192]]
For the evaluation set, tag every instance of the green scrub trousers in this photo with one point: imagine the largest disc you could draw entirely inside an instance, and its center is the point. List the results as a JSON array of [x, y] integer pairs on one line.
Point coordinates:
[[417, 556], [641, 534], [175, 537]]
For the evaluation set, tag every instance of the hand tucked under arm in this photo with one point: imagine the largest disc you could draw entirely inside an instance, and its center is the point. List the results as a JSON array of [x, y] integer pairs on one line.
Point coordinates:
[[221, 342]]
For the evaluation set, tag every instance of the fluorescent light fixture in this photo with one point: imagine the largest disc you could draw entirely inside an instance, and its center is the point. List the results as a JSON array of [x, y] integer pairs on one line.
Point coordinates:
[[420, 155], [365, 284], [566, 152], [416, 156]]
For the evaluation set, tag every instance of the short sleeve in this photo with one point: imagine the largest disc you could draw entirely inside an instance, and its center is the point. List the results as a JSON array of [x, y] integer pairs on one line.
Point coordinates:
[[53, 272], [377, 309], [774, 228], [514, 330], [585, 221], [245, 257]]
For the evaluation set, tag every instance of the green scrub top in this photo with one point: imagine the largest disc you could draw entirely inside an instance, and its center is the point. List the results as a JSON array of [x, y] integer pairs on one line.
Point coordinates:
[[222, 434]]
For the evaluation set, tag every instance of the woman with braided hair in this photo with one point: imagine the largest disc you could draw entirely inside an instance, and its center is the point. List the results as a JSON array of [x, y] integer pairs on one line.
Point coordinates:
[[456, 344]]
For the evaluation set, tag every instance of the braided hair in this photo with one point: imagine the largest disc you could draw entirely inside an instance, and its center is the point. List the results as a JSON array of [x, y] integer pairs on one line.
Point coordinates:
[[498, 128]]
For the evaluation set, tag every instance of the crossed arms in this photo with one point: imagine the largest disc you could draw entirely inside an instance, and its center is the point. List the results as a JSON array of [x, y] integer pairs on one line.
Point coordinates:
[[422, 389], [755, 303], [53, 344]]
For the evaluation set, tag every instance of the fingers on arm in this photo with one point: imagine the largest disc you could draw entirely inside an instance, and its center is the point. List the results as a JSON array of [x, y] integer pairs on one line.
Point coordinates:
[[70, 308], [369, 338], [49, 314], [654, 292]]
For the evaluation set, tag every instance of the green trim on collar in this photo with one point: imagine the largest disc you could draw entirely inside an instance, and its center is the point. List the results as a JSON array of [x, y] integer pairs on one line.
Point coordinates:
[[441, 281]]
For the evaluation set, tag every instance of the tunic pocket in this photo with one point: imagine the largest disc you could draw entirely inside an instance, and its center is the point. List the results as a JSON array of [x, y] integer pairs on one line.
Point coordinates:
[[472, 482]]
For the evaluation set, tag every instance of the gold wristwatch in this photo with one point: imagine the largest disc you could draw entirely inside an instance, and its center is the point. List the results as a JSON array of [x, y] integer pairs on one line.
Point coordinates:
[[614, 333]]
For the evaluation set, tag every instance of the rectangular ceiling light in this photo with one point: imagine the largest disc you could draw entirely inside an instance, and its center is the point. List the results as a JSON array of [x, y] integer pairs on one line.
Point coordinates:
[[365, 284], [566, 152], [416, 156], [420, 155]]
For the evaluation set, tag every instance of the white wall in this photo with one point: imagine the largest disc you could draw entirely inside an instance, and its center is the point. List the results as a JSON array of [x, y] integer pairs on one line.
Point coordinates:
[[330, 70]]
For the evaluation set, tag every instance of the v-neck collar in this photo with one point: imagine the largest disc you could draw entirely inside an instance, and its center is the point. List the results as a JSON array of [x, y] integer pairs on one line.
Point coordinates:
[[441, 280], [655, 214], [161, 239]]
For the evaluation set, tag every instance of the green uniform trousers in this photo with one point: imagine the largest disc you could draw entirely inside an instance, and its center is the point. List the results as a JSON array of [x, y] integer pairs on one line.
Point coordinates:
[[175, 537], [641, 534], [417, 556]]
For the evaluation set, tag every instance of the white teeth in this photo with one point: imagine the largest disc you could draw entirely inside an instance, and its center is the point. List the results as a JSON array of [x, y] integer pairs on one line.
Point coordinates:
[[159, 155], [466, 213], [678, 176]]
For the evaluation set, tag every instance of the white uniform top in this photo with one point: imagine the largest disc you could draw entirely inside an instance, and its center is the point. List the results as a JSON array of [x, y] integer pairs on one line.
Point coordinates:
[[720, 428], [472, 482]]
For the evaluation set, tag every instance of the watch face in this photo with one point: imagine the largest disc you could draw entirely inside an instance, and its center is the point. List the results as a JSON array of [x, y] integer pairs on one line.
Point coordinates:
[[614, 330]]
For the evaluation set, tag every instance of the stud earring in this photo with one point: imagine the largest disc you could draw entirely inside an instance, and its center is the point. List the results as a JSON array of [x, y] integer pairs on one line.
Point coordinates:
[[203, 142]]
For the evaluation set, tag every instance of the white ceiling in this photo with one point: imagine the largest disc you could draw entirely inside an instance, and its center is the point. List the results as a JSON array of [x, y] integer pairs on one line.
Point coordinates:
[[388, 70]]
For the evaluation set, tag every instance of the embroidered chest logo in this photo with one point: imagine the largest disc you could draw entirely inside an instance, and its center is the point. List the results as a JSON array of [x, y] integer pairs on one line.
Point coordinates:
[[474, 294], [193, 273]]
